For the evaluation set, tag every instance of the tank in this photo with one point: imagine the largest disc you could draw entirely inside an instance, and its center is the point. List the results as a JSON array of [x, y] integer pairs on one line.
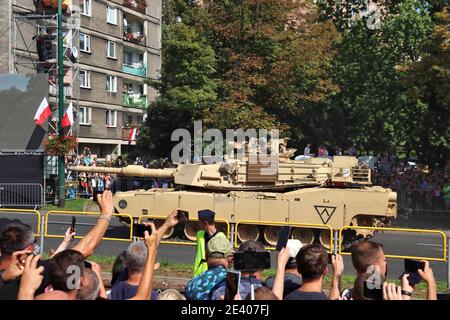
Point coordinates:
[[318, 191]]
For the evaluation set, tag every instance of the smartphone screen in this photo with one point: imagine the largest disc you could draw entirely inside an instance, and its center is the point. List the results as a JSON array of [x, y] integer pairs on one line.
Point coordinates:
[[259, 260], [139, 229], [95, 193], [72, 226], [283, 237], [232, 284], [370, 292], [413, 265], [330, 255], [182, 216]]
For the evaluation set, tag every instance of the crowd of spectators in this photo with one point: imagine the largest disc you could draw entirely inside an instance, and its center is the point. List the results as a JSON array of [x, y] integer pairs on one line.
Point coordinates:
[[90, 181], [421, 187], [300, 271], [418, 186]]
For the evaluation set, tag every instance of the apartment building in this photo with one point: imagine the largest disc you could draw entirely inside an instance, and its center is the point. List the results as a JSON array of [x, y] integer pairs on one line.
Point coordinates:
[[119, 49]]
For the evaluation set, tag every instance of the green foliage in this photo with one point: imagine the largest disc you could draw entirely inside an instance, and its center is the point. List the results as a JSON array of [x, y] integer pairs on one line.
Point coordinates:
[[187, 88], [317, 70]]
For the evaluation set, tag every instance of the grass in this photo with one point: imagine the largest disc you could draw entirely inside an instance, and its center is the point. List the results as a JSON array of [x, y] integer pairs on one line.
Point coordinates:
[[185, 270], [71, 205]]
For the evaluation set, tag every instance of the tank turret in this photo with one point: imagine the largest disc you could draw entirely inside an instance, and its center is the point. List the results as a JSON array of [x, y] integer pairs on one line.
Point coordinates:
[[274, 174]]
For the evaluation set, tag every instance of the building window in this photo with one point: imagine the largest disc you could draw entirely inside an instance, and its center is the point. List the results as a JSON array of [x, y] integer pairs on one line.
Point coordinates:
[[86, 7], [85, 42], [111, 84], [85, 79], [111, 49], [111, 118], [111, 15], [84, 115], [127, 58]]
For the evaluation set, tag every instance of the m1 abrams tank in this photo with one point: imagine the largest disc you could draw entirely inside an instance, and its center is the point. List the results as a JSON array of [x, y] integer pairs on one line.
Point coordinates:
[[318, 191]]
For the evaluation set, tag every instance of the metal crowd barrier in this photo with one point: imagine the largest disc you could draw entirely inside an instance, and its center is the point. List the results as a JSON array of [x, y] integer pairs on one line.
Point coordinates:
[[442, 234], [335, 235], [21, 195], [187, 242], [26, 211], [280, 224], [57, 212]]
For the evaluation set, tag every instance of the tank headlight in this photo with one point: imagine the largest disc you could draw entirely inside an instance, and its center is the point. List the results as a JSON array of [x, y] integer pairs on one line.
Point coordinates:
[[123, 204]]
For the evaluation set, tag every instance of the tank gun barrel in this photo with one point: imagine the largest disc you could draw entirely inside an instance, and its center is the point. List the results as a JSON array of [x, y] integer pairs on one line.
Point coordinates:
[[131, 171]]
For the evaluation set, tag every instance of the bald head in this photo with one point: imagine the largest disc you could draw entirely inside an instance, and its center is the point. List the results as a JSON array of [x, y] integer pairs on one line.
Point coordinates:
[[53, 295]]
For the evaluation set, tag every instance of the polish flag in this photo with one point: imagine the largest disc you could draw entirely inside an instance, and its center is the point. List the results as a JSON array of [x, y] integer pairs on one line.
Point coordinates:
[[132, 135], [67, 120], [43, 112]]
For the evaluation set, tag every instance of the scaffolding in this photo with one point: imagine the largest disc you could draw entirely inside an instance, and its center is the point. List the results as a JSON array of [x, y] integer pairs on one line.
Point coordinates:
[[34, 47]]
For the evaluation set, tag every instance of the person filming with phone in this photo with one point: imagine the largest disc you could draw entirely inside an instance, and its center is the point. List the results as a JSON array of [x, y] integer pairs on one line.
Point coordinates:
[[251, 259]]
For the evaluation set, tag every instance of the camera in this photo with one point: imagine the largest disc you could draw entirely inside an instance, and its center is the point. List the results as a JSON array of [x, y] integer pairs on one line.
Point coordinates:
[[251, 261], [182, 216]]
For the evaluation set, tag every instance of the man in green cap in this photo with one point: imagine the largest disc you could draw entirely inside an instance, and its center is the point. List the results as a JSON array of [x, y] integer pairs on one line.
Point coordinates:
[[219, 258]]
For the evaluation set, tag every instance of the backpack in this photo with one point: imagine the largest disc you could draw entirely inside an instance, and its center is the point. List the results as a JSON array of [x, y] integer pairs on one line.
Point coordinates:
[[202, 286]]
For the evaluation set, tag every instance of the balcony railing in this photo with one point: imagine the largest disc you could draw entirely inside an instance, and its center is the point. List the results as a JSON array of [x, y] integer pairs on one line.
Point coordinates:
[[134, 37], [135, 69], [138, 5], [134, 101]]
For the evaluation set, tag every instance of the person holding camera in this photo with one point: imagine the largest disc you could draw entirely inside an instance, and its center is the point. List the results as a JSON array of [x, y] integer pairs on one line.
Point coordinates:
[[292, 278], [312, 263], [249, 278]]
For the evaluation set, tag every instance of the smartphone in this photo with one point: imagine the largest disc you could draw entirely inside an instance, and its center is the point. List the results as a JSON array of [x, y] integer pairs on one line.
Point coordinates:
[[139, 229], [182, 216], [413, 265], [413, 278], [95, 193], [443, 296], [283, 237], [233, 283], [330, 255], [72, 226], [259, 260], [372, 293]]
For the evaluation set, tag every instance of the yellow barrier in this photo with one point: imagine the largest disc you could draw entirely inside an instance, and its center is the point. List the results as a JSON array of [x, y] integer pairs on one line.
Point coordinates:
[[86, 214], [444, 237], [271, 223], [190, 243], [38, 233]]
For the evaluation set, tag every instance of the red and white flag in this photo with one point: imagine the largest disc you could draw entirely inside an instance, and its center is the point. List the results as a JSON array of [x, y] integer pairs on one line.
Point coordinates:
[[132, 135], [43, 112], [67, 120]]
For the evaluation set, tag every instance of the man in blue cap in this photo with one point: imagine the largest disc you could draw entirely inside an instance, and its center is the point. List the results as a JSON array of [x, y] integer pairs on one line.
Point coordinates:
[[207, 231]]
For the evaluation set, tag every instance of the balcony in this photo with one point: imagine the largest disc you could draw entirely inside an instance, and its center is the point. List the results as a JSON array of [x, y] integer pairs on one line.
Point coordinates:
[[126, 133], [137, 5], [137, 69], [134, 101], [134, 37]]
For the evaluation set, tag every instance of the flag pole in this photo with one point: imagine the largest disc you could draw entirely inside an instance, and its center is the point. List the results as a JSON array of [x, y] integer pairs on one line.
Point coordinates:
[[61, 158]]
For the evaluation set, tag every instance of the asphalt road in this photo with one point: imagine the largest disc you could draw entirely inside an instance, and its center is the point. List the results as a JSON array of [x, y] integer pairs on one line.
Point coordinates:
[[395, 243]]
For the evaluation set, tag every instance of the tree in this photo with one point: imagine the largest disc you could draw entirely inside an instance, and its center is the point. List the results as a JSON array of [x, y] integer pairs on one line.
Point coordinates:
[[428, 90], [371, 105], [187, 88]]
